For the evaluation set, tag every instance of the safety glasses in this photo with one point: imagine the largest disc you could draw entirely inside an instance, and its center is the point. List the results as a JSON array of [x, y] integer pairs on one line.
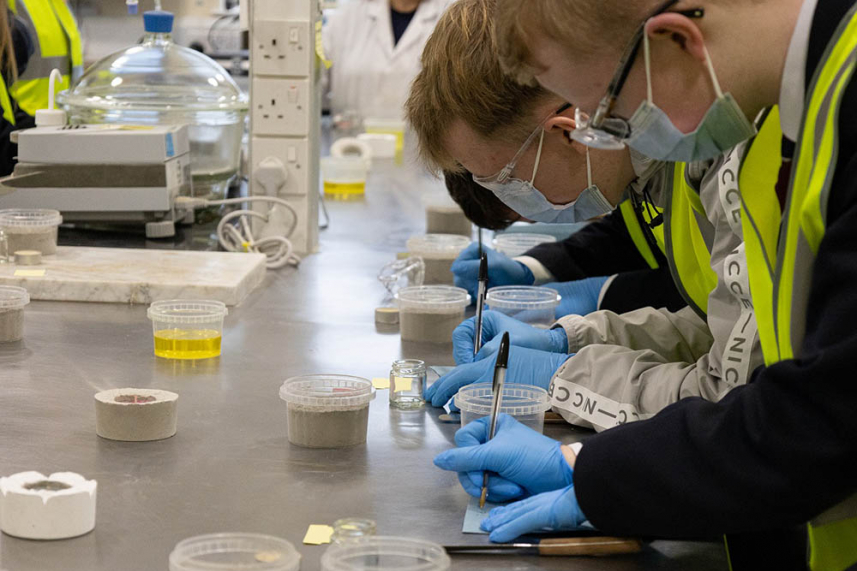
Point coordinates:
[[500, 178], [603, 130]]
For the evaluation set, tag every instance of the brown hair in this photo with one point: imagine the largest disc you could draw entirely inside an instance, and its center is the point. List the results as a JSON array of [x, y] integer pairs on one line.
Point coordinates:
[[7, 51], [479, 205], [584, 26], [461, 79]]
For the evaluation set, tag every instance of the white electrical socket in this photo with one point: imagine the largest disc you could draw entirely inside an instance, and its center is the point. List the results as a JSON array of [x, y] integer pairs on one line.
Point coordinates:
[[281, 48], [292, 153], [281, 107], [283, 9]]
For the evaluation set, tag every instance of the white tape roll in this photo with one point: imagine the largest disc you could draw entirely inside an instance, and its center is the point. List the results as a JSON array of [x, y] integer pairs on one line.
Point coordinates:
[[135, 415], [35, 506], [351, 147], [383, 145]]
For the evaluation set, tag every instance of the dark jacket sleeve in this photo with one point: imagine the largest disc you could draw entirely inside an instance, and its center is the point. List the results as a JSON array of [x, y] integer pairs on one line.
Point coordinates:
[[643, 288], [23, 46], [601, 248], [775, 452]]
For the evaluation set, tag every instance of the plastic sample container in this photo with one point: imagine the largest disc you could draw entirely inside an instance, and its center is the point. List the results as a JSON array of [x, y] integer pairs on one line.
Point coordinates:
[[12, 302], [518, 244], [385, 554], [344, 178], [530, 304], [430, 314], [438, 251], [352, 529], [526, 403], [187, 329], [395, 127], [327, 411], [30, 229], [235, 552], [447, 219]]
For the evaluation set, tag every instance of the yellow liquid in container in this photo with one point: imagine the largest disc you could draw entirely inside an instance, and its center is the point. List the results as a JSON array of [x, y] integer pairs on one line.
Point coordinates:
[[187, 343], [344, 190]]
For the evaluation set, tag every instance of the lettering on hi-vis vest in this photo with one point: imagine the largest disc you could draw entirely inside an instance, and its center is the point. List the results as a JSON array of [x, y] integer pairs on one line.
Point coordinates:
[[590, 406]]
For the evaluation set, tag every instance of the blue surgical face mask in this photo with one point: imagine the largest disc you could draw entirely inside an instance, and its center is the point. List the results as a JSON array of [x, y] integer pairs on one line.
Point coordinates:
[[522, 197], [654, 134]]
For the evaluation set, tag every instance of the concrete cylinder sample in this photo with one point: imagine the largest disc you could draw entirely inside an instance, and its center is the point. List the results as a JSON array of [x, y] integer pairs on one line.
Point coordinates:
[[135, 415]]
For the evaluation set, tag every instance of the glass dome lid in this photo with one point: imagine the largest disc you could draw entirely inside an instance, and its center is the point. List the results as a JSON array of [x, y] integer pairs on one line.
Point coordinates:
[[156, 75]]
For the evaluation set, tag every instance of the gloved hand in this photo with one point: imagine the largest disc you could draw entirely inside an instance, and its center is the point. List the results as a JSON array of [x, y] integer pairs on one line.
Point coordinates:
[[500, 490], [526, 367], [578, 297], [501, 270], [557, 511], [494, 324], [516, 454]]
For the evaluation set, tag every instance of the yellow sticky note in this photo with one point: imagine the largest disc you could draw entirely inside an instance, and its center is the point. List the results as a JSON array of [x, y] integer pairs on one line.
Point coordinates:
[[403, 384], [318, 535], [381, 383], [319, 46], [30, 273]]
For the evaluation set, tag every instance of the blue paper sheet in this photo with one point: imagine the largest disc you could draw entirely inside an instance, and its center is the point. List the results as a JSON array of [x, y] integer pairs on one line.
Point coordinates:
[[474, 516]]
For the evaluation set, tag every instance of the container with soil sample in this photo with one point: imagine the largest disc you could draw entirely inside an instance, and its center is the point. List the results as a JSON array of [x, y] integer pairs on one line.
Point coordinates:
[[447, 219], [327, 411], [438, 251], [12, 302], [514, 244], [430, 314], [30, 229], [530, 304], [527, 404]]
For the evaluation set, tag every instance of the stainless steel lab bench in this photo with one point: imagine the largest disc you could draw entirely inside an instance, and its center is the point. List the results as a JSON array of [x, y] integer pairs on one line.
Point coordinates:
[[230, 467]]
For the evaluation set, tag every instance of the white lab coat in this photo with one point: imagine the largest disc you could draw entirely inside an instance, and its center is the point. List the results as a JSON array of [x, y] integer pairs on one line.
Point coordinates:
[[369, 75]]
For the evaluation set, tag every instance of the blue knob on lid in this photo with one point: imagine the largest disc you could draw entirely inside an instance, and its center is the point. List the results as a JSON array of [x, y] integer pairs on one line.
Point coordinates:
[[158, 22]]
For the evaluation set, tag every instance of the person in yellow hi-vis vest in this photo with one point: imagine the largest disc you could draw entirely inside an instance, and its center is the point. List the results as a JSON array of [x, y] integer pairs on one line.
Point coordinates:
[[682, 80], [16, 48], [56, 41]]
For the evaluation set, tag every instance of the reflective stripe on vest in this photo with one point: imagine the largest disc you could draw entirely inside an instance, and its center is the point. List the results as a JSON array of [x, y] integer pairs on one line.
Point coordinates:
[[687, 252], [833, 535], [638, 236], [56, 40]]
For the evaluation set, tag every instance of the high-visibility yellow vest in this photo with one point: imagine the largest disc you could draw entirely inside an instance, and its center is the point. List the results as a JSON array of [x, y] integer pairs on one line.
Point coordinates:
[[56, 39], [6, 103], [679, 237], [781, 257]]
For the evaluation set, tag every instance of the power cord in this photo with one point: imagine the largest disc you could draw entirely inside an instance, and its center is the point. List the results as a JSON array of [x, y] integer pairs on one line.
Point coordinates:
[[239, 237]]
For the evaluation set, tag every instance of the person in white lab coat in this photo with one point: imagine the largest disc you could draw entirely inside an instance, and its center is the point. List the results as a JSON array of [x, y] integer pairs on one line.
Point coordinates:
[[375, 47]]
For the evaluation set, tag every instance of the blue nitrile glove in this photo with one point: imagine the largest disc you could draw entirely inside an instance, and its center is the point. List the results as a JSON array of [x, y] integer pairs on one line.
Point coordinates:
[[502, 270], [555, 511], [578, 297], [516, 454], [494, 324], [526, 367], [500, 490]]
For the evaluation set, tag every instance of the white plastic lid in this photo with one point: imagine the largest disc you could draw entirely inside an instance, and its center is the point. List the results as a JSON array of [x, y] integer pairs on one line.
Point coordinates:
[[187, 311], [518, 400], [385, 554], [30, 220], [344, 169], [515, 244], [438, 246], [440, 298], [13, 297], [522, 297], [328, 391], [235, 552]]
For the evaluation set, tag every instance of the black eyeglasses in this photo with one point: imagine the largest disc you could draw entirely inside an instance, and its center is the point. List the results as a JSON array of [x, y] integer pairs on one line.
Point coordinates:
[[603, 130]]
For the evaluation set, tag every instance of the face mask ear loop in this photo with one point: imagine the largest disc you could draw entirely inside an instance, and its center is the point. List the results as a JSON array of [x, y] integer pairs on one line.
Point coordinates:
[[588, 170], [538, 158], [714, 80], [648, 59]]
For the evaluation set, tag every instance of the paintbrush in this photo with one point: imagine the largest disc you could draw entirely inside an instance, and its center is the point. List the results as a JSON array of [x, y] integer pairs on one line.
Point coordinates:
[[480, 302], [497, 389], [558, 547]]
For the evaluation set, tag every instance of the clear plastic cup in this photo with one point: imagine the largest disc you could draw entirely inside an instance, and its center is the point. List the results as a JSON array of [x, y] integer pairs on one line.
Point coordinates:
[[385, 554], [344, 178], [12, 302], [438, 251], [187, 329], [516, 244], [30, 229], [327, 411], [430, 314], [526, 403], [235, 552], [352, 529], [533, 305]]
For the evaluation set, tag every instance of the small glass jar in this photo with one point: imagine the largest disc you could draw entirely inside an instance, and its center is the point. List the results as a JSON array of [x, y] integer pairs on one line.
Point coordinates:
[[352, 529], [408, 384], [4, 248]]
